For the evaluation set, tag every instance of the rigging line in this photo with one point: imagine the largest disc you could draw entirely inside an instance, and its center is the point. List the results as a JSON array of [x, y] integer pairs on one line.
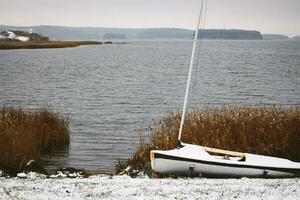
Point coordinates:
[[202, 29], [197, 63], [195, 74], [205, 11], [198, 47]]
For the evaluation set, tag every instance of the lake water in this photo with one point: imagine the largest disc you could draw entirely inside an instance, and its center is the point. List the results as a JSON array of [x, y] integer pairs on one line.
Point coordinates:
[[110, 92]]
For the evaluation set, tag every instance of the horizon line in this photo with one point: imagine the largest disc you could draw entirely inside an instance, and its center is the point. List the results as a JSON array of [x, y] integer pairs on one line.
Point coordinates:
[[165, 27]]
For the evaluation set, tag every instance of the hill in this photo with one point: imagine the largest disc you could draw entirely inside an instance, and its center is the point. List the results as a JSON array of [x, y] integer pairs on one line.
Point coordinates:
[[112, 36], [73, 33], [231, 34], [165, 33], [296, 37], [274, 37], [94, 33]]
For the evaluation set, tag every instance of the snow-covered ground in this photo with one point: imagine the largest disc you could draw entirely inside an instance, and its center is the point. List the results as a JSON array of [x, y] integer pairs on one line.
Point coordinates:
[[124, 187], [12, 35]]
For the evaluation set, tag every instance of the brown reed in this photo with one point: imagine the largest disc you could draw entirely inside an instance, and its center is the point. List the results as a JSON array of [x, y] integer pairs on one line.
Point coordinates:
[[273, 131], [26, 135], [46, 44]]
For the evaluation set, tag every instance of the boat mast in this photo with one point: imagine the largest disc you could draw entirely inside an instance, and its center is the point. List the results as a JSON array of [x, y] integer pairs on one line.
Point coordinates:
[[189, 76]]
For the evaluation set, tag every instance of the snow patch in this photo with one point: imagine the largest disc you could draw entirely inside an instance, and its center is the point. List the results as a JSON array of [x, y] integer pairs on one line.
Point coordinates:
[[22, 38], [22, 175], [11, 35], [124, 187]]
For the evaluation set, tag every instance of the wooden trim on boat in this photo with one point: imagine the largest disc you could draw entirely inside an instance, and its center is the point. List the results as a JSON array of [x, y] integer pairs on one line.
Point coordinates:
[[151, 155], [224, 152]]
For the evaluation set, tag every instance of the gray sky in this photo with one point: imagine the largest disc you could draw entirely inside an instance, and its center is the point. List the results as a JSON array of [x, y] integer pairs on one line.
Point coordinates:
[[267, 16]]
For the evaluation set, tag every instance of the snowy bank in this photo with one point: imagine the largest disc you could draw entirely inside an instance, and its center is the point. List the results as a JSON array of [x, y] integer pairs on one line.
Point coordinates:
[[12, 36], [124, 187]]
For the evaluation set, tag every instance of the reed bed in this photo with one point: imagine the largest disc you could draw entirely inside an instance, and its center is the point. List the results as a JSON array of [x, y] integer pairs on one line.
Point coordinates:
[[47, 44], [273, 131], [27, 135]]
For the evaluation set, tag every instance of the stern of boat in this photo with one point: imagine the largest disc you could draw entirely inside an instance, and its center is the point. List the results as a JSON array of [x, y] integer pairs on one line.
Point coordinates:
[[152, 160], [171, 161]]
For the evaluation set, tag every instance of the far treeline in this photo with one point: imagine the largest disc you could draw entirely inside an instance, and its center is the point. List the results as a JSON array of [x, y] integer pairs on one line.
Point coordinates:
[[98, 33], [230, 34]]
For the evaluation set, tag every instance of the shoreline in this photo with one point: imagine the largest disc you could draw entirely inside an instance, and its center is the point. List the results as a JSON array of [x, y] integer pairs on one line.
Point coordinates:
[[47, 44]]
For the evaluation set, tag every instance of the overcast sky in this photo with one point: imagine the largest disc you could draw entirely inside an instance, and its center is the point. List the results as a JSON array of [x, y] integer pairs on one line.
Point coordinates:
[[267, 16]]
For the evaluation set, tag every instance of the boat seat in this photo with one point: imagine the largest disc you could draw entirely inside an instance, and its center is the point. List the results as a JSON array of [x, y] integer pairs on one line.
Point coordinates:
[[225, 153]]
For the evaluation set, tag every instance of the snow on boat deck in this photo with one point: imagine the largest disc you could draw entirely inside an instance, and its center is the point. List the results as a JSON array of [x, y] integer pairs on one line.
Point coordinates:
[[124, 187]]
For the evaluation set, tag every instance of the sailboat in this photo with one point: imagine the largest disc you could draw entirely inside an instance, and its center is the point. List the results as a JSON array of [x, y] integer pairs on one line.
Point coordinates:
[[195, 160]]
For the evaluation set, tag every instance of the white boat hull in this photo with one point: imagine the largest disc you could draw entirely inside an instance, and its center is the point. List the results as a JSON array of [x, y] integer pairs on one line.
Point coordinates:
[[193, 160]]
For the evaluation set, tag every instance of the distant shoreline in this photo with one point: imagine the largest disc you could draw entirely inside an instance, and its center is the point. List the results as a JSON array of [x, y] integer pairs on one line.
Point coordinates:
[[46, 44]]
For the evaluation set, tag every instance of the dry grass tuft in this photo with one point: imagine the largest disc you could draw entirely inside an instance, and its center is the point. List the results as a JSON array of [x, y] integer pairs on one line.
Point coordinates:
[[271, 131], [26, 135]]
